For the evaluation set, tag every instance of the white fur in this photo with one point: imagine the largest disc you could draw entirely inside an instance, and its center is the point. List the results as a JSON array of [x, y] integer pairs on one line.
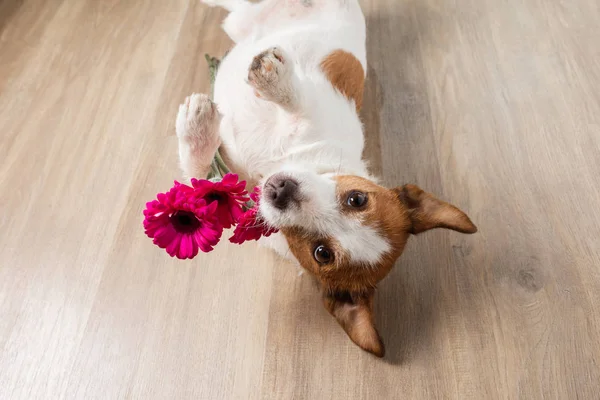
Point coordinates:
[[197, 128], [319, 212], [286, 116]]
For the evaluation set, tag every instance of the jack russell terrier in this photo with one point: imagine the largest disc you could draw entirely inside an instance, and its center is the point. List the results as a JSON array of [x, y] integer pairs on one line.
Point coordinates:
[[285, 114]]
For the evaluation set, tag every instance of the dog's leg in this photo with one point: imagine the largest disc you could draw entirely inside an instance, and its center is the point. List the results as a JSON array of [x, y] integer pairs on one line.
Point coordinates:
[[197, 129], [271, 74]]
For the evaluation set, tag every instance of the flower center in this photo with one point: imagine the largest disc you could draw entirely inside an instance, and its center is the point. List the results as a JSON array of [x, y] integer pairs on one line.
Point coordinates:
[[213, 196], [184, 221]]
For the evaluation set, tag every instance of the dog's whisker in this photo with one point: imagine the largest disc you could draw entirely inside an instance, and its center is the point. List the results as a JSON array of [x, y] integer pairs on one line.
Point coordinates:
[[340, 163]]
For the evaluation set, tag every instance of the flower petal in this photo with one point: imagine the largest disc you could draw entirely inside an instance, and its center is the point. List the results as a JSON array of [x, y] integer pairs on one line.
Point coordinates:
[[186, 247], [173, 247]]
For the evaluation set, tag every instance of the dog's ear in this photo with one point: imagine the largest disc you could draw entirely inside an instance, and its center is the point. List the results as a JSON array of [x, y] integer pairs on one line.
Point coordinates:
[[354, 312], [427, 212]]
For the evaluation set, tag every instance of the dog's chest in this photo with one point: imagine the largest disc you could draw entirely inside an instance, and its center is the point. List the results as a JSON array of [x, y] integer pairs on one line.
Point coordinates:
[[259, 144]]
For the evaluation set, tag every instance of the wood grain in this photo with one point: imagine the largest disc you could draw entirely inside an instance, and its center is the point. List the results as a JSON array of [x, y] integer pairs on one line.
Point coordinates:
[[492, 105]]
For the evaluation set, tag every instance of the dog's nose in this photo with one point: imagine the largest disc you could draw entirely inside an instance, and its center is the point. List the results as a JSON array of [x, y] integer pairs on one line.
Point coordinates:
[[281, 190]]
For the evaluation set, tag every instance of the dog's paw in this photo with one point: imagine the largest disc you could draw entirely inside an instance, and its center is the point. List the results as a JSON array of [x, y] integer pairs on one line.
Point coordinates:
[[198, 120], [269, 75]]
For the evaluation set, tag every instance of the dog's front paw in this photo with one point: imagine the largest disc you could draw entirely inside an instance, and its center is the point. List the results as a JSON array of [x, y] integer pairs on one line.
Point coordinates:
[[197, 128], [198, 121], [269, 75]]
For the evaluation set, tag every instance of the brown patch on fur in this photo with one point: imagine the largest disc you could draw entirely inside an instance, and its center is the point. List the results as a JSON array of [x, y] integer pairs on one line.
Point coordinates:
[[382, 212], [346, 74], [349, 286]]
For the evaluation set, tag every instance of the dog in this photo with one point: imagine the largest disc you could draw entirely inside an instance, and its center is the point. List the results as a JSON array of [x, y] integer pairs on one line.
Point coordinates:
[[286, 114]]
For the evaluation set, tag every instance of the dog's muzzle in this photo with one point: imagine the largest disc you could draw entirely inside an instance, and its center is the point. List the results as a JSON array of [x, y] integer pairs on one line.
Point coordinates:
[[280, 190]]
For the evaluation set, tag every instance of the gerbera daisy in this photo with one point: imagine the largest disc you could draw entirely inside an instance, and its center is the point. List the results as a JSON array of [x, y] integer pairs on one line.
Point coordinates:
[[229, 194], [182, 223], [251, 226]]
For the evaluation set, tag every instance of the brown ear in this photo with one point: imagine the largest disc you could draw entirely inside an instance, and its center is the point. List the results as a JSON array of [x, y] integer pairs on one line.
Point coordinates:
[[428, 212], [354, 312]]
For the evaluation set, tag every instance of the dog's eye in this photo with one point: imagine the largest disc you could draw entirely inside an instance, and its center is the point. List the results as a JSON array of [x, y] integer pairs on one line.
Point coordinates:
[[323, 255], [357, 199]]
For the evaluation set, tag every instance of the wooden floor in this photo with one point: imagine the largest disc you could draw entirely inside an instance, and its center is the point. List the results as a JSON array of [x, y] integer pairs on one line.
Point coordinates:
[[492, 104]]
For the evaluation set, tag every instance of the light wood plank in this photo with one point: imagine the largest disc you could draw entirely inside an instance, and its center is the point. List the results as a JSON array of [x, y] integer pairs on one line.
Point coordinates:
[[493, 105]]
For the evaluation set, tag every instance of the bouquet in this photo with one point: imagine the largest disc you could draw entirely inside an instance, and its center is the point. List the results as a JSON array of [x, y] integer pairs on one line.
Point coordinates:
[[188, 219]]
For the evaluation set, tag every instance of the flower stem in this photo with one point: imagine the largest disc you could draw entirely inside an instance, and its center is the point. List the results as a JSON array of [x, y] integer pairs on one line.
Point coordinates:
[[218, 167], [220, 163], [214, 171], [249, 204]]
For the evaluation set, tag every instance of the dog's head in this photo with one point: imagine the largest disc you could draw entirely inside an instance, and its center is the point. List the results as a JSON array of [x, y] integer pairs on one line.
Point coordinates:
[[348, 232]]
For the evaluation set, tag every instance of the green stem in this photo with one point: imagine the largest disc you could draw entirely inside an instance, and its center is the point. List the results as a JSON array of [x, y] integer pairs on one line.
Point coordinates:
[[220, 163], [249, 204], [214, 171], [218, 166]]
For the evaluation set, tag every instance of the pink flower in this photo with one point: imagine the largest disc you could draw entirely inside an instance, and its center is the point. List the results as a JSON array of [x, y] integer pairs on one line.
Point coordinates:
[[229, 194], [188, 219], [251, 226], [182, 223]]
